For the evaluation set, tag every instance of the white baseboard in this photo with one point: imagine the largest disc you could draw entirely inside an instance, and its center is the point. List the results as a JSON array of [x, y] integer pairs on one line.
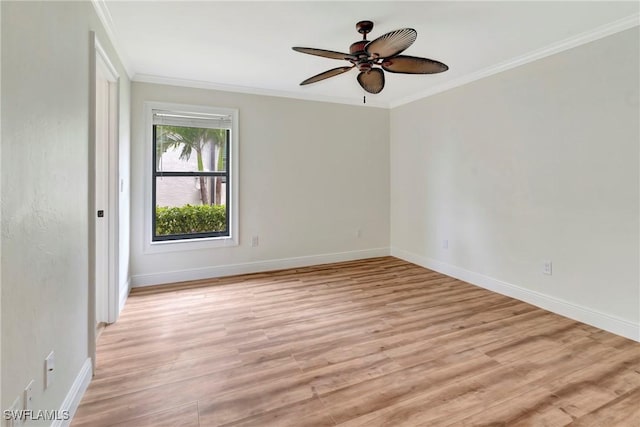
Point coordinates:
[[565, 308], [74, 396], [252, 267]]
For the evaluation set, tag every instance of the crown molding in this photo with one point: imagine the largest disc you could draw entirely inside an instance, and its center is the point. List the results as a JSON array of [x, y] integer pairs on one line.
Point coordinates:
[[569, 43], [147, 78], [104, 15], [557, 47]]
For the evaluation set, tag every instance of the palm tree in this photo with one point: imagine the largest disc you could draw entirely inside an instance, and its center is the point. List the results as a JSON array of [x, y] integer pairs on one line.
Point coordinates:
[[191, 139], [222, 153]]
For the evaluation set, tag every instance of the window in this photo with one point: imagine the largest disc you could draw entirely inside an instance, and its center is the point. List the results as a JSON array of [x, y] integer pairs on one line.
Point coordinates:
[[192, 174]]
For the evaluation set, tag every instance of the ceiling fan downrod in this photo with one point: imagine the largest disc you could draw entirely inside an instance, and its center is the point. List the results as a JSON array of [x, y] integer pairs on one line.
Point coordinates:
[[356, 49]]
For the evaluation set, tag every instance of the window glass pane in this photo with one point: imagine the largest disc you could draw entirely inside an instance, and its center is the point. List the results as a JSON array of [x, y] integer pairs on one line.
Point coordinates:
[[190, 205], [187, 149]]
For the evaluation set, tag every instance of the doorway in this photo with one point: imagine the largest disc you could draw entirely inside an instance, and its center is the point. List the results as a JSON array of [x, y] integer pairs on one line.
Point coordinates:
[[103, 185]]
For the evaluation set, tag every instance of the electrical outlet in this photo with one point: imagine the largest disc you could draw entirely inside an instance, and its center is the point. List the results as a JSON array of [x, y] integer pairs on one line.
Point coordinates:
[[28, 397], [49, 367], [546, 267], [255, 241], [359, 233], [445, 244]]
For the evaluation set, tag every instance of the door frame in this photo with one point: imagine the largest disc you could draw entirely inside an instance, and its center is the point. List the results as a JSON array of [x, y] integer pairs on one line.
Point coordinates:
[[99, 61]]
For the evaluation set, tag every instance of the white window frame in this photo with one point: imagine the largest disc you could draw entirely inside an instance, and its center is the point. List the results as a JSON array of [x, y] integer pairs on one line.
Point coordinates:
[[189, 244]]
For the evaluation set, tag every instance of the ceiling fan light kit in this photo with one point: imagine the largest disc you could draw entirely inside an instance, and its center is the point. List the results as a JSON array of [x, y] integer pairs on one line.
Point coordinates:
[[372, 57]]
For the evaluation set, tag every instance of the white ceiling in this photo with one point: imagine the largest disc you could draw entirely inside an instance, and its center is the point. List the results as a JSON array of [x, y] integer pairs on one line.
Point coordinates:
[[246, 46]]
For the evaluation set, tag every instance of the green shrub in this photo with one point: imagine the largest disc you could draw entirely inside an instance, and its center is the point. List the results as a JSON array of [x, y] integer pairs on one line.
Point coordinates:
[[190, 219]]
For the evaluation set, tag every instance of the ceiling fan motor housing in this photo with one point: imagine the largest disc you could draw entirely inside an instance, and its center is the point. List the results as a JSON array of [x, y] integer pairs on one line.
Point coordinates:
[[362, 62], [358, 47]]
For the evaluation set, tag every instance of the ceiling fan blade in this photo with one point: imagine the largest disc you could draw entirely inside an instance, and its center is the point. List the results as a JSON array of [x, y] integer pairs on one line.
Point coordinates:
[[324, 53], [329, 73], [372, 81], [392, 43], [413, 65]]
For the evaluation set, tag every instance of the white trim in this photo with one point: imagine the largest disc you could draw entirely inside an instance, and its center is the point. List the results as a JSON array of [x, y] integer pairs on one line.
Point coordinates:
[[168, 246], [108, 67], [253, 267], [104, 15], [150, 247], [146, 78], [104, 63], [99, 60], [113, 165], [74, 396], [124, 294], [573, 311], [569, 43]]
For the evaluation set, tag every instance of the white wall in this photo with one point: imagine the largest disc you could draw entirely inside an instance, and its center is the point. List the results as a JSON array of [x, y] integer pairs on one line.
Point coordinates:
[[536, 163], [45, 213], [311, 175]]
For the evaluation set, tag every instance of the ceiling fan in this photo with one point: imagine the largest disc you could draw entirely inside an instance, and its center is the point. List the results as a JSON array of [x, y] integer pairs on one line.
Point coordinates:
[[367, 55]]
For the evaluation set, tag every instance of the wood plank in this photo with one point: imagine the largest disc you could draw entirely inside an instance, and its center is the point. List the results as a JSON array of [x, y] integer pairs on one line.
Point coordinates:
[[310, 412], [622, 411], [181, 416], [362, 343]]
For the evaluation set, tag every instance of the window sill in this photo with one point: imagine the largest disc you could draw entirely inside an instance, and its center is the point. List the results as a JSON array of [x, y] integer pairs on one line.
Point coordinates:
[[189, 244]]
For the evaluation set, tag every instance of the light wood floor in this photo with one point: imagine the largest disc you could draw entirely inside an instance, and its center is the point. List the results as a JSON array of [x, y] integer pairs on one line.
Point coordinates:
[[365, 343]]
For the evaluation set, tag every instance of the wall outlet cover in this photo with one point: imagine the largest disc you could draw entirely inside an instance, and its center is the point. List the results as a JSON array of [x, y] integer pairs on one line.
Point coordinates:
[[49, 368], [27, 399]]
